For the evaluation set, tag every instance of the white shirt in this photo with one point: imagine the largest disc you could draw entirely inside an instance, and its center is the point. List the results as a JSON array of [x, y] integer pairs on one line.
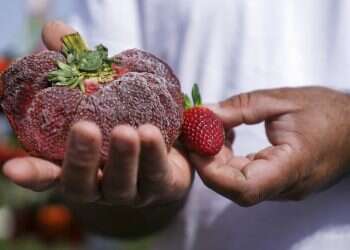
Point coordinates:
[[230, 46]]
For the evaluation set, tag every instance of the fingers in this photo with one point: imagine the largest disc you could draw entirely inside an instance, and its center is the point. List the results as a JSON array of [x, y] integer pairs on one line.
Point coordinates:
[[52, 33], [155, 176], [224, 177], [33, 173], [252, 107], [137, 172], [79, 177], [120, 174], [249, 181]]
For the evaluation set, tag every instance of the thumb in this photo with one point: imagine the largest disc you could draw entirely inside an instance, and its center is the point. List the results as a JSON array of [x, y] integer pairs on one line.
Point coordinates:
[[52, 33], [32, 173], [252, 107]]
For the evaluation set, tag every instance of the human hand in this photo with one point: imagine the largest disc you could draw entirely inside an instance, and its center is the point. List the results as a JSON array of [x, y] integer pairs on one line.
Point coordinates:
[[139, 172], [309, 132]]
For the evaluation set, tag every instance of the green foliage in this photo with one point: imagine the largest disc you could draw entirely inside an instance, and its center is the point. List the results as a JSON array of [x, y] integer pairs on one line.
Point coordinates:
[[196, 97], [82, 63], [187, 102]]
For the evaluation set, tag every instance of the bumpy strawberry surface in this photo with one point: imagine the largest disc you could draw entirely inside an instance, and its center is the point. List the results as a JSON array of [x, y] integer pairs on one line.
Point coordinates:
[[202, 131], [41, 114]]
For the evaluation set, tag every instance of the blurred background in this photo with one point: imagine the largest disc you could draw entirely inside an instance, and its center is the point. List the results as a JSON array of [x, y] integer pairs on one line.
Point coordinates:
[[28, 220]]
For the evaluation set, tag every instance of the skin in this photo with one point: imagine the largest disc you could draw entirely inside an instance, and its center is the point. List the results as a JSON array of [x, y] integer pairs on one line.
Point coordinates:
[[143, 186], [309, 132]]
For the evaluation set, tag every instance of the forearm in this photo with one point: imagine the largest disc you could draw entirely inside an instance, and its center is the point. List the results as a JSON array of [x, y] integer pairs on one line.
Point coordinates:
[[125, 222]]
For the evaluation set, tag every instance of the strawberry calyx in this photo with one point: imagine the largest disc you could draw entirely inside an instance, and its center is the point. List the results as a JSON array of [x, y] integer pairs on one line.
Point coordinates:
[[196, 98], [81, 64]]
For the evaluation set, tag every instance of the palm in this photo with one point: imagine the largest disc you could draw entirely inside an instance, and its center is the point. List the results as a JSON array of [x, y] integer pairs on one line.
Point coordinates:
[[232, 175]]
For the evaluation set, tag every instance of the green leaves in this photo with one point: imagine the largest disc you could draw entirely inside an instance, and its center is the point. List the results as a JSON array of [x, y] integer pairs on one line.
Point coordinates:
[[66, 75], [90, 61], [196, 97], [103, 51], [187, 102], [82, 64]]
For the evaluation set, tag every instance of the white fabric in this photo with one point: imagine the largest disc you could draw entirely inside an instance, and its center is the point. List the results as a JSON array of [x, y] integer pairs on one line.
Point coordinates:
[[230, 46]]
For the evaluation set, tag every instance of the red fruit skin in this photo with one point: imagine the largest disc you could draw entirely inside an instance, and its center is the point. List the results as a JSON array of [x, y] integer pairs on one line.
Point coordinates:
[[145, 91], [202, 131], [91, 86], [140, 61]]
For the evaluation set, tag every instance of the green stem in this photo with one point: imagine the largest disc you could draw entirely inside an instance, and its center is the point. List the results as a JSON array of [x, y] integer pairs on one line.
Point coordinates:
[[74, 42]]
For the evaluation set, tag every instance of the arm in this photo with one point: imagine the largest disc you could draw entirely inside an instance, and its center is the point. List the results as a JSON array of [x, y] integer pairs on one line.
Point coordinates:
[[139, 190]]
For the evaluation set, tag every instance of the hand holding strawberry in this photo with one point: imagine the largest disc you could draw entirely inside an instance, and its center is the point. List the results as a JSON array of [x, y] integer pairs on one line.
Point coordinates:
[[309, 132]]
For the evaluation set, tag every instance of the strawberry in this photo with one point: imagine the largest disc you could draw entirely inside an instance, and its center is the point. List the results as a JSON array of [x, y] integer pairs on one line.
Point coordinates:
[[202, 131], [44, 94]]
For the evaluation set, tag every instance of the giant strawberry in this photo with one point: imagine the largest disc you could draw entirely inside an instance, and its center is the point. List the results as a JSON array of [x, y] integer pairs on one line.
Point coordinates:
[[45, 93]]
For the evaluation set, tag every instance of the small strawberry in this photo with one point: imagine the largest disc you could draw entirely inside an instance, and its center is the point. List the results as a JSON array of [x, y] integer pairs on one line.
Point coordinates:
[[202, 131]]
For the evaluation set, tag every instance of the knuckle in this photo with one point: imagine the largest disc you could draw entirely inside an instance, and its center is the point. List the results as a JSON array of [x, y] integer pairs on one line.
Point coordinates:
[[243, 102], [82, 152], [81, 159]]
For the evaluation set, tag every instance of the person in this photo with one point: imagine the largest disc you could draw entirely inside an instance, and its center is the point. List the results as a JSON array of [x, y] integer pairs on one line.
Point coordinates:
[[228, 47]]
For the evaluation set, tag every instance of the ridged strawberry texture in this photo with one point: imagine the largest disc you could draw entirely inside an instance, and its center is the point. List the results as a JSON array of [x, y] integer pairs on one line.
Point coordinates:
[[144, 90]]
